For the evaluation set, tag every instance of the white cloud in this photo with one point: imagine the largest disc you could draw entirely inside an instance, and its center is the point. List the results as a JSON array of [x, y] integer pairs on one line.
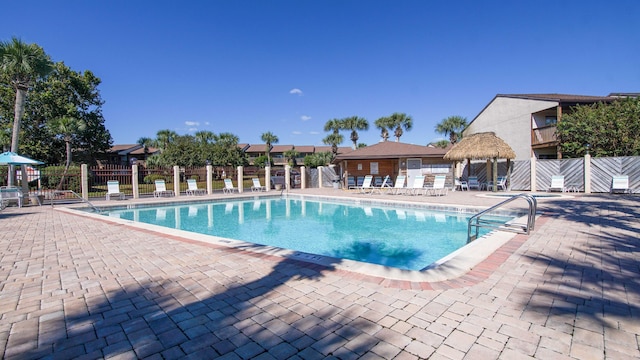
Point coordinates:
[[192, 129], [295, 91], [314, 132], [305, 118], [192, 123], [296, 133]]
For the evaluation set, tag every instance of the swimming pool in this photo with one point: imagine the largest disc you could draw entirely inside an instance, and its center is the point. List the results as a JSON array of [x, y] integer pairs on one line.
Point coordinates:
[[399, 236]]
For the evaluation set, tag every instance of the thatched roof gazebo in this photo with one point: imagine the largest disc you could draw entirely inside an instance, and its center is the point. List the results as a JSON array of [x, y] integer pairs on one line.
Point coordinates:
[[485, 145]]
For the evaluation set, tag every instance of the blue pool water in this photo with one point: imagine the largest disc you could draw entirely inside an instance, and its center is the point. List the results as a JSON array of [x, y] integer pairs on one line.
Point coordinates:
[[406, 238]]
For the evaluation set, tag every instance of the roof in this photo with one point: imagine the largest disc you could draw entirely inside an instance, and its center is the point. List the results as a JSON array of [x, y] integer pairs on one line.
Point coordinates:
[[279, 148], [140, 151], [256, 148], [341, 149], [392, 149], [305, 149], [124, 147], [485, 145], [562, 98]]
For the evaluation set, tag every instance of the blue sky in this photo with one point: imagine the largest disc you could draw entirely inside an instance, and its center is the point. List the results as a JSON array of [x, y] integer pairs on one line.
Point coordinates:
[[248, 67]]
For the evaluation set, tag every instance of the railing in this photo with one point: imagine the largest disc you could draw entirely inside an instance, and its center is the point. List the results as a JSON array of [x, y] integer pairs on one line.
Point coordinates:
[[64, 195], [543, 135], [477, 221]]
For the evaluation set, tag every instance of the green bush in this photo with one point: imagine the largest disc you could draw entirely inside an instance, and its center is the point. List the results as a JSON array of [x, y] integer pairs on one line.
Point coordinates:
[[50, 177], [151, 178]]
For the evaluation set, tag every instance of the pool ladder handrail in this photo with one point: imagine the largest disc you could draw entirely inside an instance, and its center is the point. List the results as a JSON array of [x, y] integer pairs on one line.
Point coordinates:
[[95, 208], [477, 221]]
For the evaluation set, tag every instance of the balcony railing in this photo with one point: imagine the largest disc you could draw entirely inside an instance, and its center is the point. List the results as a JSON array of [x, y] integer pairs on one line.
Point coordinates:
[[543, 135]]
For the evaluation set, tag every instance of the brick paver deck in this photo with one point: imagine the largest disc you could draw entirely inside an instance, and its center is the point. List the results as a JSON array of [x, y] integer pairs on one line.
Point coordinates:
[[73, 287]]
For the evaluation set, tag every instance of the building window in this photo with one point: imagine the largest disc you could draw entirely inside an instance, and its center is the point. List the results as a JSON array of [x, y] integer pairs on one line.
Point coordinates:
[[550, 120]]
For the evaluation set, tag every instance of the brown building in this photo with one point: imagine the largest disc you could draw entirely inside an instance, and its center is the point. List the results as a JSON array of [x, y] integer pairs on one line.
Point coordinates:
[[393, 159]]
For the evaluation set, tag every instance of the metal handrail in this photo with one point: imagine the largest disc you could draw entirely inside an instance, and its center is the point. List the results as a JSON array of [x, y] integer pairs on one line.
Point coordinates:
[[477, 221], [95, 208]]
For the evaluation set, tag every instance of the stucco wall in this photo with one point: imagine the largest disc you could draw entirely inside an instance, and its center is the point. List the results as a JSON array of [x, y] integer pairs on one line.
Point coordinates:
[[510, 120]]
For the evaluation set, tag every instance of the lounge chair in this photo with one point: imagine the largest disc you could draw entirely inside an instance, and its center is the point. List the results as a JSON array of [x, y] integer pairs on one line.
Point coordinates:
[[257, 186], [620, 183], [366, 187], [228, 187], [417, 186], [398, 186], [384, 186], [113, 189], [473, 183], [557, 183], [8, 194], [438, 188], [161, 189], [192, 188]]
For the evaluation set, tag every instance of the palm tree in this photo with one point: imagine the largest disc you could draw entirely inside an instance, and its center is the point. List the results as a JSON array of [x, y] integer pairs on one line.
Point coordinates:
[[67, 128], [334, 125], [21, 65], [145, 142], [399, 121], [354, 124], [291, 156], [383, 125], [164, 138], [269, 138], [333, 139], [453, 127], [205, 137]]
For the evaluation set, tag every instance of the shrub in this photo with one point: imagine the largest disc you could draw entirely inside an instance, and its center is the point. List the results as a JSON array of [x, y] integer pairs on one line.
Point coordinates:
[[151, 178]]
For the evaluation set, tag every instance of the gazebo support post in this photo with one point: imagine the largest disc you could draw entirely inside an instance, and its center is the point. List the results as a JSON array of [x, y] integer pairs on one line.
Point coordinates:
[[495, 174]]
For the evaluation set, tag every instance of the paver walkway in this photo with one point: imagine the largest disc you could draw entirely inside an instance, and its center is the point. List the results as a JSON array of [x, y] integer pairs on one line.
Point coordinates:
[[72, 287]]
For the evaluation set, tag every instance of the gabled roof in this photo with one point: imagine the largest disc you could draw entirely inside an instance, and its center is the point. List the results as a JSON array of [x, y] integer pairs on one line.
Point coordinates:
[[256, 148], [341, 149], [140, 151], [124, 148], [392, 149], [305, 149], [279, 148]]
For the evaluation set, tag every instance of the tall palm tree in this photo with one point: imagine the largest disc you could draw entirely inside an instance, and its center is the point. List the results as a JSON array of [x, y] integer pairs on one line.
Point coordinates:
[[383, 125], [334, 125], [333, 139], [399, 121], [67, 128], [205, 137], [164, 138], [269, 138], [145, 142], [291, 156], [21, 65], [452, 127], [354, 124]]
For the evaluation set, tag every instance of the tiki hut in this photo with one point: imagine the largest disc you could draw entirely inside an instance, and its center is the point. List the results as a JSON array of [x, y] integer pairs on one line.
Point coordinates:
[[485, 145]]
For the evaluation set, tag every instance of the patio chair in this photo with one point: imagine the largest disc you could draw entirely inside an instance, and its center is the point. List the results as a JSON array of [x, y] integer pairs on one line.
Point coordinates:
[[228, 187], [417, 186], [161, 189], [257, 186], [192, 188], [438, 188], [398, 186], [473, 183], [620, 183], [460, 184], [557, 183], [501, 184], [113, 189], [8, 194]]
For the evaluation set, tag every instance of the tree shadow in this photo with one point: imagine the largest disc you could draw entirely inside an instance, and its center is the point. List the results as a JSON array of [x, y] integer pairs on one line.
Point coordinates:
[[207, 317], [602, 274]]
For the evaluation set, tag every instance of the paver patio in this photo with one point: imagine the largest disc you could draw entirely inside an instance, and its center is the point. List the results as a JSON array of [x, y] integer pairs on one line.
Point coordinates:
[[74, 287]]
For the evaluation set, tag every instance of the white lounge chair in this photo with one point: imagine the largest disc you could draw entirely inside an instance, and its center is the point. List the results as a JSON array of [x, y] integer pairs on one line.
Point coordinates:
[[228, 187], [473, 183], [192, 188], [398, 186], [384, 186], [113, 189], [557, 183], [501, 184], [161, 189], [257, 186], [620, 183], [366, 187], [438, 188], [417, 186]]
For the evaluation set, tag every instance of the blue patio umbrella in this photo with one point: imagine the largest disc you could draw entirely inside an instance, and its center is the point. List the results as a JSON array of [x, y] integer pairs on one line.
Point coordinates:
[[11, 158]]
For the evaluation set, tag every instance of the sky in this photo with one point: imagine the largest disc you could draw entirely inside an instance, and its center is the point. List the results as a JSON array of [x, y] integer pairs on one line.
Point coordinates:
[[248, 67]]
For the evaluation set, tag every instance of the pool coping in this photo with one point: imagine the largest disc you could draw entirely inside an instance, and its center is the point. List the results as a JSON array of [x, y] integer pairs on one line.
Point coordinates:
[[455, 266]]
